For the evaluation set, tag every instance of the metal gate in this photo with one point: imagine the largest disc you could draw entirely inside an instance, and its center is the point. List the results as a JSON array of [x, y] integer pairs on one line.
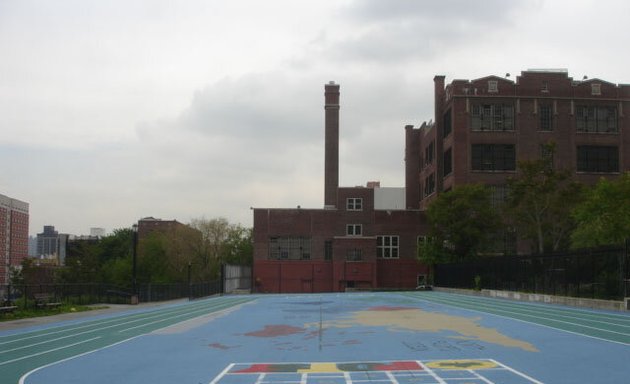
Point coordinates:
[[237, 278]]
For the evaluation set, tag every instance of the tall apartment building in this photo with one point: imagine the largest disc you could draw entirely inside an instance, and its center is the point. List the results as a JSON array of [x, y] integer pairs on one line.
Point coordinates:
[[483, 127], [13, 235], [48, 243]]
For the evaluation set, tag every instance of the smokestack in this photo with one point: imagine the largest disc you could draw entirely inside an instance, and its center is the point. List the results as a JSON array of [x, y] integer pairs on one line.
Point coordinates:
[[412, 167], [331, 160]]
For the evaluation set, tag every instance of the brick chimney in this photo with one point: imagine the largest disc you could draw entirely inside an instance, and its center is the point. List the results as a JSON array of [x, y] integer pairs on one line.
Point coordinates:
[[412, 167], [331, 161]]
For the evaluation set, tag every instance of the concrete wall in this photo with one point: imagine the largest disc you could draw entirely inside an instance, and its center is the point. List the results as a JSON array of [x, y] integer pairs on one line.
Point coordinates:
[[581, 302]]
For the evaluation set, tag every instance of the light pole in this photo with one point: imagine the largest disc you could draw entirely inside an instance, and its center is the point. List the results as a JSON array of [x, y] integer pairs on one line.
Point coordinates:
[[134, 254], [189, 282]]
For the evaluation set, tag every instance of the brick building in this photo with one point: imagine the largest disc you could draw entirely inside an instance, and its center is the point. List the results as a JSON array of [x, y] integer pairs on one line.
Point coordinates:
[[13, 235], [363, 238], [483, 127]]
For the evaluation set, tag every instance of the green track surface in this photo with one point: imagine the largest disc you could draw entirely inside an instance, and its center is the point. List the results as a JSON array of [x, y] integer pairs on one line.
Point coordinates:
[[601, 325], [23, 352]]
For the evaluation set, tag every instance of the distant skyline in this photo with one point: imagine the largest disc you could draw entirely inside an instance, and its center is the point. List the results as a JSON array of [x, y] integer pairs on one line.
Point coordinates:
[[111, 111]]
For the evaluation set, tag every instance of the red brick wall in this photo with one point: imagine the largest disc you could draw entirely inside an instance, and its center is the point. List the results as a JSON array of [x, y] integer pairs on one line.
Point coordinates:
[[399, 273], [19, 237], [275, 276]]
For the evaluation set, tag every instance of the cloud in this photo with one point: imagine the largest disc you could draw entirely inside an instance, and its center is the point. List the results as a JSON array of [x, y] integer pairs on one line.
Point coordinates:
[[401, 30]]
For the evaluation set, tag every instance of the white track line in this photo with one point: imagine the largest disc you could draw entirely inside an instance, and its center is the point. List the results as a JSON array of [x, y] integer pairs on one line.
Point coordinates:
[[48, 351], [27, 374], [529, 307], [522, 321], [489, 306]]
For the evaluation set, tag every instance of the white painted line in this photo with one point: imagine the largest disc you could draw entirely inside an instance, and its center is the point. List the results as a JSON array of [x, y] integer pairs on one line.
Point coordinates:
[[546, 306], [96, 323], [35, 344], [90, 331], [223, 373], [478, 376], [27, 374], [529, 307], [430, 372], [517, 372], [204, 310], [261, 378], [460, 307], [48, 351], [542, 318]]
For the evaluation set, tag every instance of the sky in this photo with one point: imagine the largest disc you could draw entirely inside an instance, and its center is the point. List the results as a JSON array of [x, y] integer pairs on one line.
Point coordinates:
[[115, 110]]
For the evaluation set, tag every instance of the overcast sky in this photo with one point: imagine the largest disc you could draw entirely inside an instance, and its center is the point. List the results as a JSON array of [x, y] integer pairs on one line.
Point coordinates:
[[115, 110]]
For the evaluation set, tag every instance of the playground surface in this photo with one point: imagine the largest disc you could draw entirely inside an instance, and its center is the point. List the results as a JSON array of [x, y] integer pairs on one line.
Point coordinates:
[[346, 338]]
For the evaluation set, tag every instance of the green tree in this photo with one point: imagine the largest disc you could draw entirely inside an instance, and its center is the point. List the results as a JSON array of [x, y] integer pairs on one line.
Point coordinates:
[[462, 223], [603, 217], [99, 261], [539, 204], [238, 247]]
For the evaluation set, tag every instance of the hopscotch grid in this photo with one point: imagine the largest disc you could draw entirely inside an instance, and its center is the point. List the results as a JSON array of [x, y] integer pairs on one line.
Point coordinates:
[[389, 376], [517, 372]]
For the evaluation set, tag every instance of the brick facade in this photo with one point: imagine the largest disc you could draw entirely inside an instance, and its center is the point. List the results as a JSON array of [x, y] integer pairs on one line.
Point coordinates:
[[483, 127], [351, 260], [585, 119], [14, 222], [349, 244]]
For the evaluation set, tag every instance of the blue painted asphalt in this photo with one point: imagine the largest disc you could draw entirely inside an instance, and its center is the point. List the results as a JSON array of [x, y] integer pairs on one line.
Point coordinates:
[[447, 341]]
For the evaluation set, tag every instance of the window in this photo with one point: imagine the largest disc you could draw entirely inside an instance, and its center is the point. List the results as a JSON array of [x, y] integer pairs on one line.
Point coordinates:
[[493, 157], [545, 87], [593, 158], [387, 247], [492, 117], [429, 154], [289, 248], [493, 86], [596, 119], [498, 195], [354, 204], [354, 255], [328, 250], [545, 113], [596, 89], [354, 229], [429, 184], [447, 125], [546, 154], [448, 162]]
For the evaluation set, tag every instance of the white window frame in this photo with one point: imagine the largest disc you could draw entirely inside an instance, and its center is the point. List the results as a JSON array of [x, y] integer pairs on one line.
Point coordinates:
[[493, 86], [354, 204], [354, 229], [388, 247]]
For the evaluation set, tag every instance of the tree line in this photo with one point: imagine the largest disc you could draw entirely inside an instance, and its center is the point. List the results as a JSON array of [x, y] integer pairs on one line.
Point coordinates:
[[546, 207], [198, 249]]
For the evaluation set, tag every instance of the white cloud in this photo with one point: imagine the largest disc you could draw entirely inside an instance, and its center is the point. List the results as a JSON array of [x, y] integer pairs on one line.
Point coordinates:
[[110, 111]]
